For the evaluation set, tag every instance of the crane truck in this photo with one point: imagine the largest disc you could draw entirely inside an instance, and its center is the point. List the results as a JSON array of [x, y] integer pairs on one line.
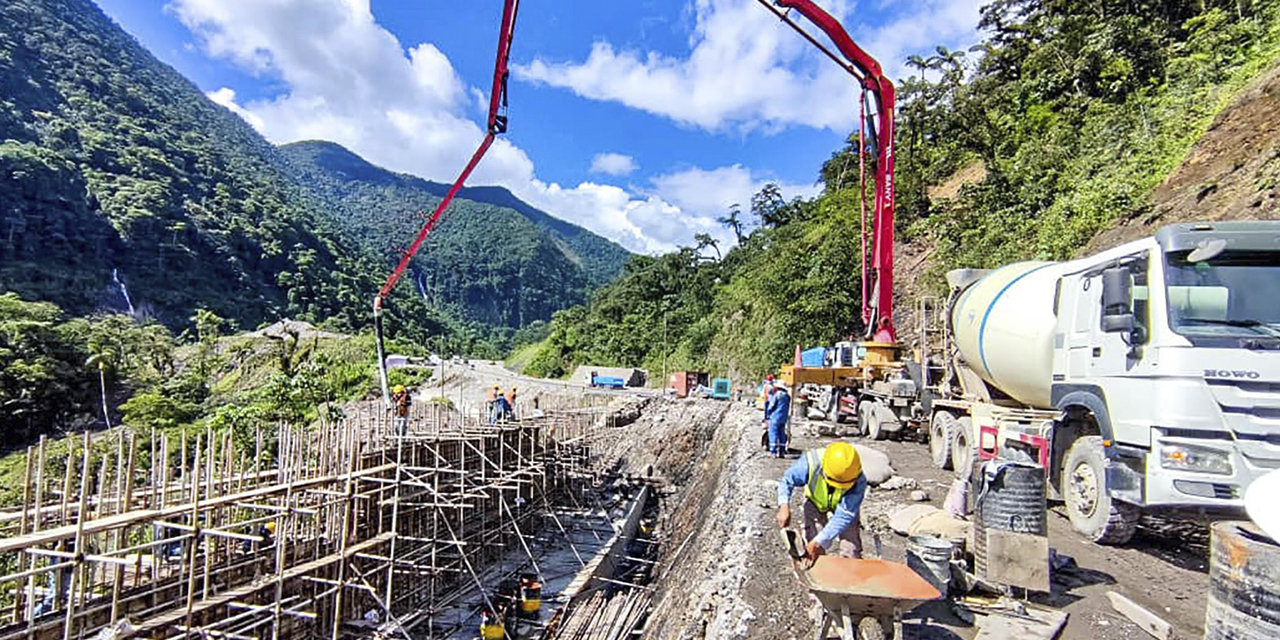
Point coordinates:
[[1143, 378]]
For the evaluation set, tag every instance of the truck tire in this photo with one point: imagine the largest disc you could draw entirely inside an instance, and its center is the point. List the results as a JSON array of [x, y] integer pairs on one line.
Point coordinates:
[[941, 427], [865, 417], [964, 447], [1094, 514], [832, 406], [874, 428]]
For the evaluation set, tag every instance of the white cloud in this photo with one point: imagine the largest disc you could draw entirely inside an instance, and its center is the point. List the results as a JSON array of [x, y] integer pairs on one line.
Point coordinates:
[[227, 98], [347, 79], [747, 70], [613, 164]]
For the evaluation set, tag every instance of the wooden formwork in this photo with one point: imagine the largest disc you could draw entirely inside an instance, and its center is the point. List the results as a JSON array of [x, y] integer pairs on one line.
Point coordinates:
[[163, 536]]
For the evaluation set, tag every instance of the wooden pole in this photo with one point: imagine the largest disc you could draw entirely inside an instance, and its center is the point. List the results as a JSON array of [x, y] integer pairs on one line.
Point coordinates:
[[78, 570], [18, 598]]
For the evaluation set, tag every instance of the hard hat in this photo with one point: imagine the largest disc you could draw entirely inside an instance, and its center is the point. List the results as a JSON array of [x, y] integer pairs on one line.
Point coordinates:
[[271, 527], [398, 388], [769, 377], [841, 464], [497, 386]]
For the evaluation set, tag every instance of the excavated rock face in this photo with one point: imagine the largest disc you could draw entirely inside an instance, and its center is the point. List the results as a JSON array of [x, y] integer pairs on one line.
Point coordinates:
[[1232, 172]]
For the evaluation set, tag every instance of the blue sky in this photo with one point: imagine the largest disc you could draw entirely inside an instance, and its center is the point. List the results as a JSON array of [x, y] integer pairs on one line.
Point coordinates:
[[641, 120]]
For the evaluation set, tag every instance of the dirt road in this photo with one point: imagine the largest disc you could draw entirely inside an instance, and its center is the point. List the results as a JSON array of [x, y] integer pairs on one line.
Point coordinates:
[[722, 571], [728, 576]]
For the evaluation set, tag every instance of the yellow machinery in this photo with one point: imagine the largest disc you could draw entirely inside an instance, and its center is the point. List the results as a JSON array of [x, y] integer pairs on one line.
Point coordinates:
[[877, 359], [875, 386]]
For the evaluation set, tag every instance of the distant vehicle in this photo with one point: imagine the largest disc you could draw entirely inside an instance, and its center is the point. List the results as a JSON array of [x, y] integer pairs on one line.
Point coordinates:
[[607, 382], [720, 388]]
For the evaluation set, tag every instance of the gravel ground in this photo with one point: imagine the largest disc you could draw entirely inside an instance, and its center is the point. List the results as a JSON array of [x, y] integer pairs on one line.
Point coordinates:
[[723, 573], [733, 580]]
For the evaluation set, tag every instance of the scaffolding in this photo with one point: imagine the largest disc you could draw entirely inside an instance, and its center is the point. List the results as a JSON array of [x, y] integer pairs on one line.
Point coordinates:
[[346, 529]]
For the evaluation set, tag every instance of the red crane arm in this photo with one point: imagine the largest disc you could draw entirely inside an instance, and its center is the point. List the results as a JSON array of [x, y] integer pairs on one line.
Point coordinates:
[[497, 124], [867, 71]]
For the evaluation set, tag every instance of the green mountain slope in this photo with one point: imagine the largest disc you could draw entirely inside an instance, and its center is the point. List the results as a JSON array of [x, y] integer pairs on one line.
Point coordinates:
[[113, 162], [491, 263], [122, 185]]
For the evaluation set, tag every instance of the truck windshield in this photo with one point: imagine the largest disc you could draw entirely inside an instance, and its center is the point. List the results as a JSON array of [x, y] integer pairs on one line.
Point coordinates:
[[1233, 294]]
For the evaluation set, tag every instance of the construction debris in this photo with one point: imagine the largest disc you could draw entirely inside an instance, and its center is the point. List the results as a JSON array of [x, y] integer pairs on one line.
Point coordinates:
[[875, 464], [1147, 621]]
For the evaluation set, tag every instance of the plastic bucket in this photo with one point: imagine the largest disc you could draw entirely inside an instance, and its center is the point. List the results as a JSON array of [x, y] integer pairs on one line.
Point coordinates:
[[931, 558]]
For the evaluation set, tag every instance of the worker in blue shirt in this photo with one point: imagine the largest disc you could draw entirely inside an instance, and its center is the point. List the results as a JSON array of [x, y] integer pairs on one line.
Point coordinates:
[[776, 412], [834, 487]]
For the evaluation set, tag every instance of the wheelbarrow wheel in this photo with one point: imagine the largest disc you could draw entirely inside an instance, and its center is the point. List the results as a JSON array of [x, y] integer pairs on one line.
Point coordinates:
[[870, 628]]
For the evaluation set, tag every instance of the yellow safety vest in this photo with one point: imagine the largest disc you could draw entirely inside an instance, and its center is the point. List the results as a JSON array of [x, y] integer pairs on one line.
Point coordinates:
[[823, 496]]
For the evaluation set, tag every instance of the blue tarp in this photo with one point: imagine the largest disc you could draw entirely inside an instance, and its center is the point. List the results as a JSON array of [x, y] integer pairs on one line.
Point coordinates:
[[815, 357]]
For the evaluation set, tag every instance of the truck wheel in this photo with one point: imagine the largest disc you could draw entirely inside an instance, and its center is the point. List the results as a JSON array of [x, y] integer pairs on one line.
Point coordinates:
[[1092, 511], [964, 447], [873, 428], [832, 407], [941, 427], [864, 417]]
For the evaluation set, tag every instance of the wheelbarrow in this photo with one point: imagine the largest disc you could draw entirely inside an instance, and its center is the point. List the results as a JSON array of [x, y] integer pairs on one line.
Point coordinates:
[[861, 599]]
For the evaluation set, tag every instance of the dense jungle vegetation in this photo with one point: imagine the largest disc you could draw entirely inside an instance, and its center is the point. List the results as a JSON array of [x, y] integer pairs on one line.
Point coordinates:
[[123, 189], [1063, 119]]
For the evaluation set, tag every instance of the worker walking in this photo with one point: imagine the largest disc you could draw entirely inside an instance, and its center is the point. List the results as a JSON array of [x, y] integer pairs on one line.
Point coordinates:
[[400, 401], [834, 487], [777, 411], [511, 404], [491, 403]]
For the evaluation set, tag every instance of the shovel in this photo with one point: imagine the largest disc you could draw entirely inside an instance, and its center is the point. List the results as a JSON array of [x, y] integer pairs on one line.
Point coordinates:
[[795, 549]]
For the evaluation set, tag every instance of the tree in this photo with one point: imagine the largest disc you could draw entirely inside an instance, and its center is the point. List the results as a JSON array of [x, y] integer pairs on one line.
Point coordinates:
[[705, 240], [769, 207], [733, 221], [102, 358]]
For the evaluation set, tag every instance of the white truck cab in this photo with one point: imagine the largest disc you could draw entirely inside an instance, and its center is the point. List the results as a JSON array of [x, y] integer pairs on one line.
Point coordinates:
[[1159, 360]]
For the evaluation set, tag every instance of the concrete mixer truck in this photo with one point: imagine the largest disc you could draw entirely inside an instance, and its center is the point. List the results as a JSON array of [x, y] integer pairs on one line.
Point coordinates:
[[1143, 378]]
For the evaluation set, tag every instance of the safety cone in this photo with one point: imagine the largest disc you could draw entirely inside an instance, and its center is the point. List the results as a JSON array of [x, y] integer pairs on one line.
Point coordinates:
[[798, 363]]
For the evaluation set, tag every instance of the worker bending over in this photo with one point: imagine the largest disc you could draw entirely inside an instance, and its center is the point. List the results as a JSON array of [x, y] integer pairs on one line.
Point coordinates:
[[834, 487]]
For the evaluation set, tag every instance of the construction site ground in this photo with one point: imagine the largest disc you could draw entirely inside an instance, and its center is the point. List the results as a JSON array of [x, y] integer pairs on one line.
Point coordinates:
[[723, 572]]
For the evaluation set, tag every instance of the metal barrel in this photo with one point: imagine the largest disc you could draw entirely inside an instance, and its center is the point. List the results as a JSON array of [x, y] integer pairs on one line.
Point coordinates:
[[931, 558], [1013, 500], [1244, 584]]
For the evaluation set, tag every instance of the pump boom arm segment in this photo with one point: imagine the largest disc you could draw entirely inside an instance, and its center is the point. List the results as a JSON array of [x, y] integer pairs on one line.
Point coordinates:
[[496, 124], [868, 73]]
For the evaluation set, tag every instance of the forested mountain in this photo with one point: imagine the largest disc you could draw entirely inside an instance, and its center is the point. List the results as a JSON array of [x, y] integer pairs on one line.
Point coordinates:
[[493, 258], [1068, 118], [122, 184], [114, 163]]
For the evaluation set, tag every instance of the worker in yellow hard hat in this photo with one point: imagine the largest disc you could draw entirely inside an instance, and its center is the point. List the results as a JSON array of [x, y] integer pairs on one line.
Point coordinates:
[[834, 487], [400, 401]]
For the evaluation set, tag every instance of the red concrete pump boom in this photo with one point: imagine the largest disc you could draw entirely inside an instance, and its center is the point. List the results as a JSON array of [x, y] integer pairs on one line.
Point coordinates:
[[497, 124], [877, 280]]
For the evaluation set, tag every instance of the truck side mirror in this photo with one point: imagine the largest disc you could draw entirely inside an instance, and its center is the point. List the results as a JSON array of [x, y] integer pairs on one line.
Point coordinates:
[[1117, 300]]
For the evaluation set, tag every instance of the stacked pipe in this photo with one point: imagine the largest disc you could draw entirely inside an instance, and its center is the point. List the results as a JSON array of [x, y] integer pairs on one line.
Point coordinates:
[[616, 616]]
